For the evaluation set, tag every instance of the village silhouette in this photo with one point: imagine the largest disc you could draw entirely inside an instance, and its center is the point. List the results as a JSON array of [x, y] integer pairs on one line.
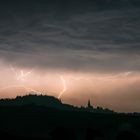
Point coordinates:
[[45, 117]]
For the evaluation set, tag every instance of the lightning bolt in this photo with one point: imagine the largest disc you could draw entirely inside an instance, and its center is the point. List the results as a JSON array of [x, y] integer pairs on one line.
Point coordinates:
[[13, 86], [21, 76], [20, 86], [79, 78], [120, 75], [64, 86], [33, 90]]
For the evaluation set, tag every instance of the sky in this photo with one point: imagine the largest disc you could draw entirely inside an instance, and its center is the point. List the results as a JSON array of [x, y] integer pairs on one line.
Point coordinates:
[[74, 50]]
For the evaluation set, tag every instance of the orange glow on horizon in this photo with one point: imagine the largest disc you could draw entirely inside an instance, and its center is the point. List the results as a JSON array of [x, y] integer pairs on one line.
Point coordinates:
[[105, 89]]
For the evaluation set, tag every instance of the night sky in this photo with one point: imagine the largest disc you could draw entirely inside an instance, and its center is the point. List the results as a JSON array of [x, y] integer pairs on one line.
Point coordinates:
[[86, 49]]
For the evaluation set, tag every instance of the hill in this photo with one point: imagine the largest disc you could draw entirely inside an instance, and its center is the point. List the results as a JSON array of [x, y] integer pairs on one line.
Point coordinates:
[[48, 101], [39, 117]]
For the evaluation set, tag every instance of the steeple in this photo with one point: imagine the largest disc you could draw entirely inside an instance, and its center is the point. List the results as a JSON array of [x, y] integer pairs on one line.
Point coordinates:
[[89, 106]]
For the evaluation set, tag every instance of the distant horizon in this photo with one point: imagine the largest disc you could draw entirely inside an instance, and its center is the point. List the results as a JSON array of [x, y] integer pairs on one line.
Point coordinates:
[[47, 95], [88, 106]]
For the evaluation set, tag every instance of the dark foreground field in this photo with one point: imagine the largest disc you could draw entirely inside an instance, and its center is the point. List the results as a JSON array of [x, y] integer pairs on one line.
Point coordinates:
[[38, 122]]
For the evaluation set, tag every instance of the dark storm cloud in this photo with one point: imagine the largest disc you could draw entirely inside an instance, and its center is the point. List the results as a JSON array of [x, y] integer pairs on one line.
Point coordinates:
[[101, 35]]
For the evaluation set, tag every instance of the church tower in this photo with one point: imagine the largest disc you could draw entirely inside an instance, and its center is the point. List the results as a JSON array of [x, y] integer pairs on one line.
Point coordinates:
[[89, 106]]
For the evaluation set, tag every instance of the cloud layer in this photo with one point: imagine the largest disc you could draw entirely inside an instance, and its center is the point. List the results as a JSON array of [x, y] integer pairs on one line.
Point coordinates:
[[101, 36]]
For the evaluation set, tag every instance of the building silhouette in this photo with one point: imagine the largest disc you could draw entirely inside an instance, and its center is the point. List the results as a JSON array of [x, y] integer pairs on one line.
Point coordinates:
[[89, 106]]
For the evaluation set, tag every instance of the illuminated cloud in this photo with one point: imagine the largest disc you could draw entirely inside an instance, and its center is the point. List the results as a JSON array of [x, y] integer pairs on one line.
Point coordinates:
[[64, 87]]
